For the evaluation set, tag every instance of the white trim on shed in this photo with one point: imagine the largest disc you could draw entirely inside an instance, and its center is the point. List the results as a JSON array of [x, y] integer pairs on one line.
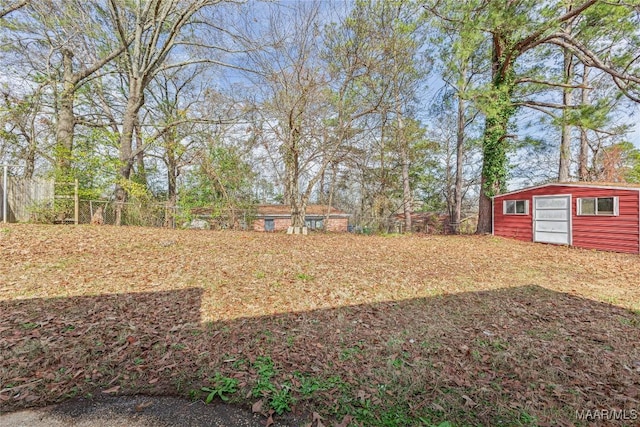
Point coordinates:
[[552, 219]]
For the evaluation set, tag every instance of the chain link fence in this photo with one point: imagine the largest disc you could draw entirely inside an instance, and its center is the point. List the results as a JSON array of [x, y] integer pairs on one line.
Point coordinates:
[[421, 222]]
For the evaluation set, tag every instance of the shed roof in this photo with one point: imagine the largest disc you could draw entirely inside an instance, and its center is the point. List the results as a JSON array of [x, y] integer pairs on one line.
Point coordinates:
[[285, 210], [612, 185]]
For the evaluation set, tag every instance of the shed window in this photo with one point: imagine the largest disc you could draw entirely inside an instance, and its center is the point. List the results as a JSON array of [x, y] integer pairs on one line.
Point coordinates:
[[598, 206], [516, 207], [313, 224], [269, 224]]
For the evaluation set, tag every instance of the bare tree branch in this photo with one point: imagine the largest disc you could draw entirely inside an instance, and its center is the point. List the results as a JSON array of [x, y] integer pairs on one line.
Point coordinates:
[[552, 84], [12, 8]]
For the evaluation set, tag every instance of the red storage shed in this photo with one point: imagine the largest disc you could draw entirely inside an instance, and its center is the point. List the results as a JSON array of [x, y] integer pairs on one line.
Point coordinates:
[[587, 215]]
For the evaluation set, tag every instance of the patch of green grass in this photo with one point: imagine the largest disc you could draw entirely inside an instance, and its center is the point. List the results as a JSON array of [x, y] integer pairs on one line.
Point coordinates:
[[29, 325], [399, 362], [350, 352], [290, 341], [73, 392], [304, 277], [519, 418], [547, 334], [239, 364], [280, 397], [496, 344], [634, 321], [611, 300], [260, 274], [368, 413], [309, 385]]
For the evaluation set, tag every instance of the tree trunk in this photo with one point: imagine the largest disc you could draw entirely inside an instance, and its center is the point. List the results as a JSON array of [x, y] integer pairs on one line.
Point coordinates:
[[494, 161], [292, 166], [66, 119], [126, 164], [565, 138], [298, 213], [329, 202], [494, 141], [583, 158], [457, 206], [484, 210], [134, 103], [30, 158], [172, 190], [406, 189], [141, 171]]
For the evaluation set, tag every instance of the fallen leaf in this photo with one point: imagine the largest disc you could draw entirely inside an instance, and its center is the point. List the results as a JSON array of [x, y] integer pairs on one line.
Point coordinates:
[[113, 389], [468, 401], [257, 406], [143, 405]]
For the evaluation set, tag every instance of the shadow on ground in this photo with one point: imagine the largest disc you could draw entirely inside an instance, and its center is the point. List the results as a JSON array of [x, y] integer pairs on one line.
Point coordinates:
[[523, 355]]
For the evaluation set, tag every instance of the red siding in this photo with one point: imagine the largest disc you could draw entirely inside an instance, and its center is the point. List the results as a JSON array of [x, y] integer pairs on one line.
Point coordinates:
[[516, 226], [613, 233]]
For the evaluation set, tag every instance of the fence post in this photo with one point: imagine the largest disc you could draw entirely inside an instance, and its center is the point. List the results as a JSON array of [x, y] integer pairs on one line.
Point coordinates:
[[76, 202]]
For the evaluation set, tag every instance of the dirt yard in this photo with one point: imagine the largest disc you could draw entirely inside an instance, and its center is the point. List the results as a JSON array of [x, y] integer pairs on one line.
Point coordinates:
[[376, 330]]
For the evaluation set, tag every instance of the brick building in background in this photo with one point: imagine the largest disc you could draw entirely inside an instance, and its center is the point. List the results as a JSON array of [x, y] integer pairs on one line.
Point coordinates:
[[278, 218]]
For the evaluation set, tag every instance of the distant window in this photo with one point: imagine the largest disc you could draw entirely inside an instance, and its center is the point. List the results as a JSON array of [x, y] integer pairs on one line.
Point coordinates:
[[516, 207], [598, 206], [313, 224], [269, 225]]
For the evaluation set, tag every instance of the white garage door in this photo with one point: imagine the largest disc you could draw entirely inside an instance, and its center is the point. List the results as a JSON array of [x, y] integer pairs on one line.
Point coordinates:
[[552, 219]]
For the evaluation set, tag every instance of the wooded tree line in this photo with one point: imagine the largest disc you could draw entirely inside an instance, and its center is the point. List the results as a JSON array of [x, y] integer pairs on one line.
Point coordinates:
[[377, 107]]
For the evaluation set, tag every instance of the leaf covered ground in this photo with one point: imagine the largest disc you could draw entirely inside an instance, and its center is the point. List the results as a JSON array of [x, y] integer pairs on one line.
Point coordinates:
[[375, 330]]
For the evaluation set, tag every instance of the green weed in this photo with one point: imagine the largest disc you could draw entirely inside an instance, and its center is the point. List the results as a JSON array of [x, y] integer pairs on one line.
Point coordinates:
[[265, 370], [281, 400], [221, 386], [29, 325]]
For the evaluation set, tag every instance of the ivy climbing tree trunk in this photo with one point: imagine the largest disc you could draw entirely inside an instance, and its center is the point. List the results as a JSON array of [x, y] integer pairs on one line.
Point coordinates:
[[495, 142]]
